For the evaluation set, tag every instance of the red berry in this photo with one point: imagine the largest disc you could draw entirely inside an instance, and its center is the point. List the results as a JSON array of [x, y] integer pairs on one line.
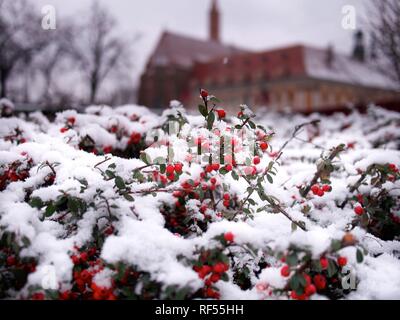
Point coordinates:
[[107, 149], [11, 261], [229, 237], [295, 296], [63, 129], [209, 168], [178, 167], [315, 189], [263, 146], [135, 138], [215, 277], [64, 295], [327, 188], [393, 167], [240, 114], [310, 290], [359, 210], [215, 166], [171, 177], [227, 197], [285, 271], [221, 113], [213, 180], [204, 93], [38, 296], [324, 263], [219, 268], [226, 203], [170, 169], [342, 261], [256, 160], [319, 281], [321, 193], [228, 167], [85, 276], [84, 256], [307, 278], [75, 259], [71, 120], [109, 231]]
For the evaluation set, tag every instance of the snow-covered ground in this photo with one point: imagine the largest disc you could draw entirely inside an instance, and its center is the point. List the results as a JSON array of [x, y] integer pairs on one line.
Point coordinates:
[[79, 222]]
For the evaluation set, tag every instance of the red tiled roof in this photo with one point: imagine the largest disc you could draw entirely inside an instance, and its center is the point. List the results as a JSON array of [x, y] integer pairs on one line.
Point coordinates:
[[184, 51], [294, 61]]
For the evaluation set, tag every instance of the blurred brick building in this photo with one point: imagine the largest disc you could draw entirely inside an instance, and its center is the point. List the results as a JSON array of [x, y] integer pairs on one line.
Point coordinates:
[[301, 77]]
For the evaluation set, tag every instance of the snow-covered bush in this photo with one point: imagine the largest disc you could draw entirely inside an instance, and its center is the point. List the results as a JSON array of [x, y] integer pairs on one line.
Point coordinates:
[[124, 204]]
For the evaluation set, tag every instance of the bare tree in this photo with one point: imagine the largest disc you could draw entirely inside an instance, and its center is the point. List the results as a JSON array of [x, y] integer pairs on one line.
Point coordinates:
[[384, 20], [21, 37], [57, 59], [102, 52]]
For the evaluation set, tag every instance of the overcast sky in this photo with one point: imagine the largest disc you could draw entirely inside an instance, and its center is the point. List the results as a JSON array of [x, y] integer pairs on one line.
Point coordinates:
[[253, 24]]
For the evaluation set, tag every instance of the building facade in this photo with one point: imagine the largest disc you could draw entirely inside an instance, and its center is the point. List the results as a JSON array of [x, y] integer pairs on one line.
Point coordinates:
[[298, 77]]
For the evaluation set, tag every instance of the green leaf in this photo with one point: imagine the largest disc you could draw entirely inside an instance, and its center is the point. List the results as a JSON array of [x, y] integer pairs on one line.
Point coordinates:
[[112, 166], [269, 178], [73, 205], [203, 110], [292, 259], [235, 175], [336, 245], [128, 197], [163, 167], [359, 256], [294, 283], [36, 203], [210, 120], [145, 158], [252, 125], [110, 174], [332, 268], [51, 208], [119, 182], [159, 160], [214, 99], [26, 241]]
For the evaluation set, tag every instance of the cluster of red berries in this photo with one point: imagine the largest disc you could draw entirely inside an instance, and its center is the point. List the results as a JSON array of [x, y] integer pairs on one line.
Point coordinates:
[[12, 261], [212, 167], [319, 190], [394, 172], [16, 171], [173, 169], [316, 283], [211, 272], [87, 265], [170, 172], [69, 124], [393, 168], [227, 199]]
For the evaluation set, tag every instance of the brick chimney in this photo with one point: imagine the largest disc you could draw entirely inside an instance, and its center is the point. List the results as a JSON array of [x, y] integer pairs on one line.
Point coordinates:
[[214, 22]]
